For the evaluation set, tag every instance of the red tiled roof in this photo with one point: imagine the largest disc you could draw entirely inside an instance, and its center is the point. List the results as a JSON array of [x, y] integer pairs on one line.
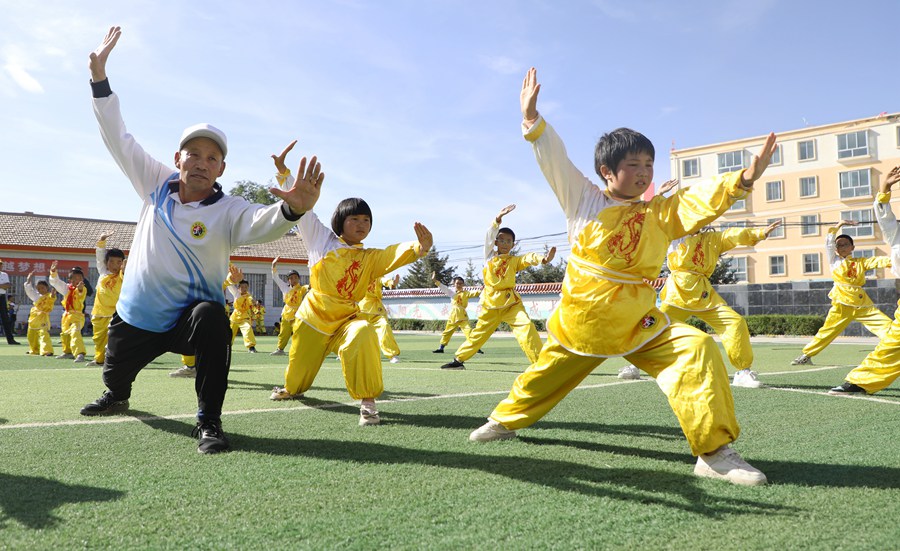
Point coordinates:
[[29, 231]]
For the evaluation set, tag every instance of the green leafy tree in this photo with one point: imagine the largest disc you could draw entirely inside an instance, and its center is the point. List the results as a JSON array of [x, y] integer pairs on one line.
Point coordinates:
[[724, 273], [419, 275], [253, 192], [473, 274], [543, 273]]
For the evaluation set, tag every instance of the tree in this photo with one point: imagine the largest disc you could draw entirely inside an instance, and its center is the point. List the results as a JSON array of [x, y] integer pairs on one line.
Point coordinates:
[[543, 273], [473, 274], [253, 192], [419, 275], [724, 273]]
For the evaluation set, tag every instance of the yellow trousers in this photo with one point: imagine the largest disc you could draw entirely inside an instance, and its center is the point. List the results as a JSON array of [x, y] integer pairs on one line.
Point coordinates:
[[188, 360], [246, 330], [70, 333], [100, 337], [839, 317], [451, 328], [39, 342], [685, 362], [882, 366], [488, 321], [728, 324], [386, 340], [287, 329], [355, 343]]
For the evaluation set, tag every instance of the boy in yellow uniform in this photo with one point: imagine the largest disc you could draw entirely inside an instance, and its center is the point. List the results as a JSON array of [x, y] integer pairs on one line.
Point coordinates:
[[74, 293], [260, 311], [882, 366], [372, 309], [607, 310], [849, 301], [110, 263], [43, 298], [243, 302], [688, 292], [340, 272], [458, 318], [293, 294], [499, 300]]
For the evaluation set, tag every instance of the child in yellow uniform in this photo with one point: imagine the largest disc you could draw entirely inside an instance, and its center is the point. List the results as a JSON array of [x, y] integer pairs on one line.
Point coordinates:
[[458, 318], [43, 298], [688, 292], [110, 263], [607, 310], [882, 366], [74, 292], [849, 301], [260, 312], [372, 309], [499, 300], [327, 319], [243, 303], [293, 294]]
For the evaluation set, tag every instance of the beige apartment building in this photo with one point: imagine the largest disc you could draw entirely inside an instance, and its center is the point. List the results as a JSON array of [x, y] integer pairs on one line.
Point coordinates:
[[819, 176]]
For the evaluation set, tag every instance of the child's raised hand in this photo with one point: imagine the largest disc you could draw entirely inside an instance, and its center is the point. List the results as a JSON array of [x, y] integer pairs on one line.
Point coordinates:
[[892, 178], [759, 163], [105, 236], [279, 159], [303, 196], [549, 256], [424, 237], [28, 277], [528, 96], [668, 186], [504, 211], [98, 57], [53, 266], [275, 262], [771, 227]]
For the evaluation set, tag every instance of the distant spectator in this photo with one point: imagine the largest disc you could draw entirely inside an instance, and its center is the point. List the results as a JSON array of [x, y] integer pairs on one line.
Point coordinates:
[[4, 307]]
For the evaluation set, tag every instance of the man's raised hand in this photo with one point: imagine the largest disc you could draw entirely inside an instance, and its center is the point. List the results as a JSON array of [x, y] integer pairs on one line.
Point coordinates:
[[528, 96], [305, 193], [98, 56]]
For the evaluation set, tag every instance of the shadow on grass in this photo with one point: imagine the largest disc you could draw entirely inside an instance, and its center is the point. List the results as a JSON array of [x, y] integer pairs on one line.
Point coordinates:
[[31, 500], [4, 421]]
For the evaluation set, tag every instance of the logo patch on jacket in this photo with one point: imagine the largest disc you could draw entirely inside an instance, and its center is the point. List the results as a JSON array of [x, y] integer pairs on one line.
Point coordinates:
[[704, 294], [648, 321], [198, 230]]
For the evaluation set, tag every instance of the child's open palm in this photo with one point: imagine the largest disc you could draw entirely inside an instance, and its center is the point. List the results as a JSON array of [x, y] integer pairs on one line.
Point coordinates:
[[529, 95]]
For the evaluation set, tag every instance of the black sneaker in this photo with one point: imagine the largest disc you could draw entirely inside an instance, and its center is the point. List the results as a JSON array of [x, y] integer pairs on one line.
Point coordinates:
[[211, 437], [455, 364], [252, 350], [847, 388], [104, 405], [14, 343], [439, 350], [480, 351]]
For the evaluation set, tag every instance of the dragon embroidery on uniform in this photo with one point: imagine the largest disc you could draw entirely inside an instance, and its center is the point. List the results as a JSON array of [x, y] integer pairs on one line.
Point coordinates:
[[699, 256], [624, 242], [501, 267], [851, 270], [346, 285]]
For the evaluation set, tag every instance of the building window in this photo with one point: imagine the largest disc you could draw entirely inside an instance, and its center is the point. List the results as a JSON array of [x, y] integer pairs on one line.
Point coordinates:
[[809, 186], [806, 150], [739, 265], [811, 263], [867, 253], [775, 191], [777, 266], [866, 219], [776, 156], [777, 232], [731, 161], [853, 144], [257, 287], [809, 224], [740, 204], [855, 183], [726, 225], [690, 168]]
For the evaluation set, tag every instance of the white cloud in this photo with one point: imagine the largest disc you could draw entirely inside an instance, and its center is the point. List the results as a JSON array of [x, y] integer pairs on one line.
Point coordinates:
[[501, 64], [21, 77]]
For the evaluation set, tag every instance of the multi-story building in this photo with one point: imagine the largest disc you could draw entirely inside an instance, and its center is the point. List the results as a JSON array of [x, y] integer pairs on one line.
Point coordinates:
[[819, 176]]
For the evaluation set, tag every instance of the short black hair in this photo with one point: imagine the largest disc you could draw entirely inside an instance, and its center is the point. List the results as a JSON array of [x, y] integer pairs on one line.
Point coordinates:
[[114, 253], [351, 206], [42, 282], [243, 281], [844, 236], [461, 280], [77, 270], [613, 146], [507, 231]]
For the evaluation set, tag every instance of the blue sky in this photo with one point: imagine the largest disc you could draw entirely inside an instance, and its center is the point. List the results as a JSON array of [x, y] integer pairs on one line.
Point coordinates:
[[413, 105]]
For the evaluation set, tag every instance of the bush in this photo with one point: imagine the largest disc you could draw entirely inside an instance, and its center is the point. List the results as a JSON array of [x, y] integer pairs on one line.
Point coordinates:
[[408, 324], [776, 324]]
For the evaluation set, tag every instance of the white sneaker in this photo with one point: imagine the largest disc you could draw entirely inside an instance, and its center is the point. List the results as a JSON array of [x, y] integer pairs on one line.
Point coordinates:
[[79, 358], [66, 356], [92, 363], [490, 431], [802, 359], [368, 415], [747, 379], [629, 372], [278, 352], [727, 464], [184, 371], [280, 393], [395, 360]]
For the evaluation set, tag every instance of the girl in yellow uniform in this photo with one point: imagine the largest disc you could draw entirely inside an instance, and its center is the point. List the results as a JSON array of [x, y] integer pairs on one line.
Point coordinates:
[[293, 294], [607, 310], [110, 263], [243, 304], [74, 292], [341, 270], [849, 301], [372, 309], [499, 300], [688, 292], [260, 317], [43, 298], [459, 318]]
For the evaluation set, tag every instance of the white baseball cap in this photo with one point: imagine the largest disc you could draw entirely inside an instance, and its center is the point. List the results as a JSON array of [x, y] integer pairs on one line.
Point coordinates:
[[205, 130]]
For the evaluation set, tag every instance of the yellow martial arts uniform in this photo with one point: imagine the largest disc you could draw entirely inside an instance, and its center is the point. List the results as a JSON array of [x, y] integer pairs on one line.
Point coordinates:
[[606, 309], [328, 318], [688, 291], [39, 342], [882, 366], [240, 317], [261, 319], [109, 285], [849, 301], [372, 309], [459, 318], [293, 296], [500, 302], [73, 318]]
